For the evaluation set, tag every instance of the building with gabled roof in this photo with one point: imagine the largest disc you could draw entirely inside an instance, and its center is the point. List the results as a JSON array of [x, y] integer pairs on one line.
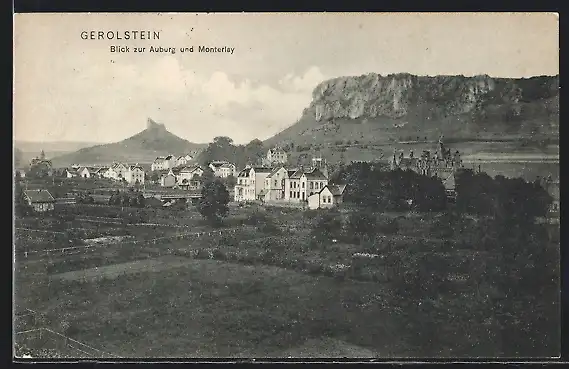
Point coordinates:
[[275, 156], [274, 189], [250, 183], [328, 197], [39, 200], [135, 175], [304, 183], [222, 169]]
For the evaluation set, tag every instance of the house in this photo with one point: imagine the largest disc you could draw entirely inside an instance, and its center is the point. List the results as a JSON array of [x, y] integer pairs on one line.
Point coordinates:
[[109, 173], [119, 171], [275, 156], [84, 172], [194, 184], [222, 169], [189, 172], [135, 175], [159, 164], [181, 161], [327, 197], [250, 183], [188, 158], [40, 200], [275, 184], [302, 184], [100, 172], [168, 180], [71, 173], [170, 161]]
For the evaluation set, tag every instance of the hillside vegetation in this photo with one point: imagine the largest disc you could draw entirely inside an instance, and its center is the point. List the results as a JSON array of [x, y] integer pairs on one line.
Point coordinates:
[[402, 107], [143, 147]]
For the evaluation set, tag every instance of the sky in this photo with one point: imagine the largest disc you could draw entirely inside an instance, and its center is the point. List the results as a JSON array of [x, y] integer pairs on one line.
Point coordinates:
[[70, 89]]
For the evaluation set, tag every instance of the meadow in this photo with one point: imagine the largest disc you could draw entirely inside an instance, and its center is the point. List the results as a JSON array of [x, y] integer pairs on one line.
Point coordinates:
[[262, 288]]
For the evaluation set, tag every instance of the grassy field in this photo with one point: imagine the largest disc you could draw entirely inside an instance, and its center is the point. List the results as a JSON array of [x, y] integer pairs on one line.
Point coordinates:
[[254, 294]]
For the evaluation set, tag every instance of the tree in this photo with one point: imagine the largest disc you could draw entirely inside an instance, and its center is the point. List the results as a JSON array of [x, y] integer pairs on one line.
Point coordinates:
[[21, 207], [154, 176], [213, 204], [208, 175], [230, 181]]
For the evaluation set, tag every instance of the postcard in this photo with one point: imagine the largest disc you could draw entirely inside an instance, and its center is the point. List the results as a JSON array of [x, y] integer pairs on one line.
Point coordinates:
[[277, 186]]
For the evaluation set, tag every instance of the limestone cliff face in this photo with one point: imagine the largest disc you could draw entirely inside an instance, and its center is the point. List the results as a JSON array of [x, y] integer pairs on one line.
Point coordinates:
[[396, 96]]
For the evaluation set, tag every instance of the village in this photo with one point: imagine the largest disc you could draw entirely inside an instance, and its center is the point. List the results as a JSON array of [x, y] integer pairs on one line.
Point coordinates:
[[271, 181]]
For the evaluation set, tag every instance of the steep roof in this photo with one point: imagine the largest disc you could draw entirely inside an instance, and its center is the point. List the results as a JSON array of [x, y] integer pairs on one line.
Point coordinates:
[[227, 165], [297, 174], [336, 190], [169, 157], [290, 172], [274, 171], [39, 195], [244, 173], [315, 174]]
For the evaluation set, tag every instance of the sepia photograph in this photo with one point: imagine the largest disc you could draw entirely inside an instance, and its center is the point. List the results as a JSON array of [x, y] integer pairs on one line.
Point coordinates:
[[281, 186]]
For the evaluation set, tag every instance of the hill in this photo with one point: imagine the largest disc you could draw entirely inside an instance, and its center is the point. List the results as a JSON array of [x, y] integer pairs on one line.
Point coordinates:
[[143, 147], [371, 109]]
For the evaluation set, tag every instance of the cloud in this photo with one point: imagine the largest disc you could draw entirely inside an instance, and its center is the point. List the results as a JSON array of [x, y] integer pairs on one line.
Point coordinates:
[[115, 100], [305, 83]]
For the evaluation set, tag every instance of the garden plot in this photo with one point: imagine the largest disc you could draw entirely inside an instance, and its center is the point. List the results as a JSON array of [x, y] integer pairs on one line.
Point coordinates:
[[117, 270]]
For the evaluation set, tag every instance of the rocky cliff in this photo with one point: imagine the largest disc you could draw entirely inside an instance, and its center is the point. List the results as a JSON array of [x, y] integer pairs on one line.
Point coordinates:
[[400, 105]]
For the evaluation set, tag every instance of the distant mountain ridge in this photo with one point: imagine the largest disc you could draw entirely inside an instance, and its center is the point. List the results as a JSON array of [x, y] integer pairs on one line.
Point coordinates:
[[374, 108], [143, 147]]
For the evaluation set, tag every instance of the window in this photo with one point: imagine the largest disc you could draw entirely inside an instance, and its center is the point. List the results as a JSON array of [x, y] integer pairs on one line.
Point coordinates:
[[311, 185], [302, 184], [275, 183], [290, 194]]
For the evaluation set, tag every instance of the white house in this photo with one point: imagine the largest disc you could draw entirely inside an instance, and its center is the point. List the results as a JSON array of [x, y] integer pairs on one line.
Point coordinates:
[[84, 172], [328, 197], [276, 156], [250, 183], [110, 173], [222, 169], [134, 175], [302, 184], [189, 172], [181, 161], [170, 161], [119, 171], [275, 184], [158, 164], [70, 173], [164, 163]]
